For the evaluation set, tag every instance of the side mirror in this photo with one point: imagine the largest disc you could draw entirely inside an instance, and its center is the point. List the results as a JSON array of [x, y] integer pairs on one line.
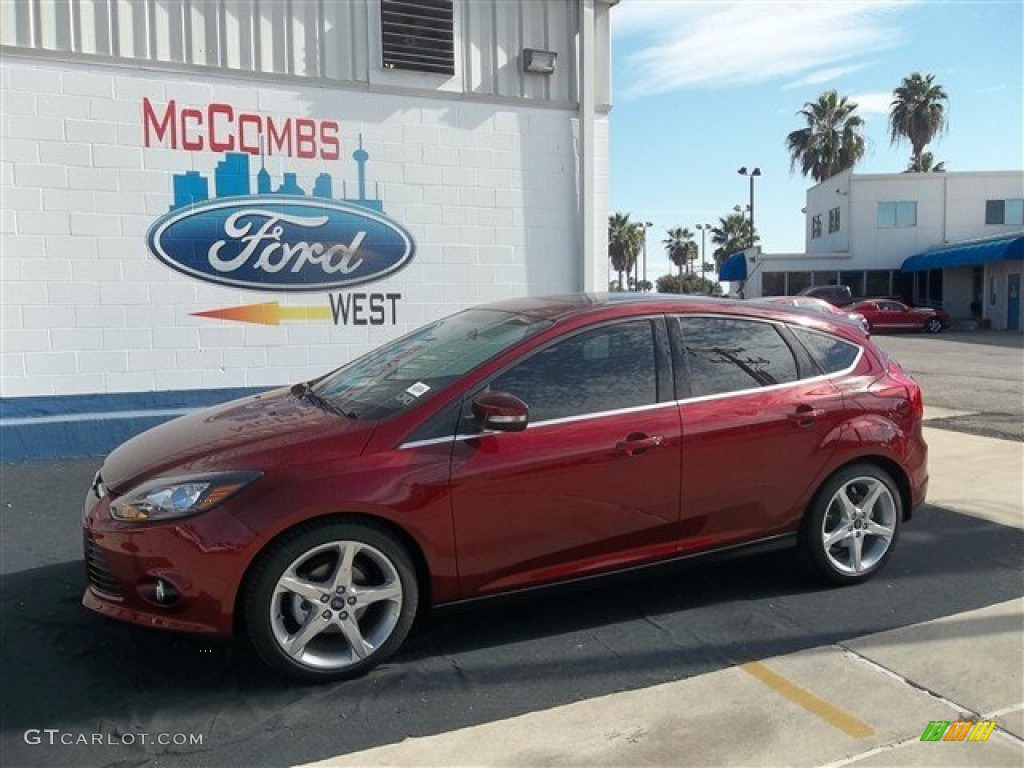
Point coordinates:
[[500, 412]]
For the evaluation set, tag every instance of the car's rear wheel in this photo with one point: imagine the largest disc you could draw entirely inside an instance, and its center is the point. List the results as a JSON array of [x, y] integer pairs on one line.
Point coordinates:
[[933, 325], [853, 524], [330, 602]]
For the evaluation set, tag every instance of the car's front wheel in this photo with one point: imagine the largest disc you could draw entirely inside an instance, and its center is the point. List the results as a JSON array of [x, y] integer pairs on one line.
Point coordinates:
[[852, 525], [933, 325], [330, 602]]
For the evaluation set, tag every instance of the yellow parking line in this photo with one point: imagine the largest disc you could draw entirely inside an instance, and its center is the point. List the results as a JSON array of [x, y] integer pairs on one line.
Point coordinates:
[[830, 713]]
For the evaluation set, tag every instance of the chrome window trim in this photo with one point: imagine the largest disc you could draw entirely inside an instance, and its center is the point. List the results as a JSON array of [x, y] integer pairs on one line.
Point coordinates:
[[654, 406], [812, 379], [547, 423], [430, 441], [602, 414]]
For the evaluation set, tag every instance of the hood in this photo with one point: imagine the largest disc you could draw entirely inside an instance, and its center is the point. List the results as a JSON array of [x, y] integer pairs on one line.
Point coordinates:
[[259, 432]]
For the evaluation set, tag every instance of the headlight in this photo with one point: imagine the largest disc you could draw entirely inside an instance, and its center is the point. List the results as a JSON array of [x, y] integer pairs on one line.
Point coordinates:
[[171, 497]]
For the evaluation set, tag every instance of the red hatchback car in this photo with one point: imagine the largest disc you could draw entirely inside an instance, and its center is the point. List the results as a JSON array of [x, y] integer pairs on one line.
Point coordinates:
[[890, 315], [505, 447]]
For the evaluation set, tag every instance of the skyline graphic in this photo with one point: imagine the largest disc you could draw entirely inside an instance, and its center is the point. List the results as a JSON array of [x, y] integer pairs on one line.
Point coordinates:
[[232, 178]]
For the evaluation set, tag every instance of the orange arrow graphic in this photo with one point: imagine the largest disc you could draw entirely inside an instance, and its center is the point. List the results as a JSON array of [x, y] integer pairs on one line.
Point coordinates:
[[267, 313]]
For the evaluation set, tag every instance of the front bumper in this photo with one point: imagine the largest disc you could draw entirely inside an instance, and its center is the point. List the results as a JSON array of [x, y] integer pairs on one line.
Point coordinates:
[[180, 575]]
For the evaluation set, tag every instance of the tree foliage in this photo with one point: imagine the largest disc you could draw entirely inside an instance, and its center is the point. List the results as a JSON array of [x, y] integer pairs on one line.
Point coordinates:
[[680, 247], [917, 114], [693, 284], [832, 140], [925, 164], [732, 234], [625, 239]]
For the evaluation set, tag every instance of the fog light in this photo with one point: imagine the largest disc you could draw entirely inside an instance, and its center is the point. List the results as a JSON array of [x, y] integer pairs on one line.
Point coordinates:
[[165, 593]]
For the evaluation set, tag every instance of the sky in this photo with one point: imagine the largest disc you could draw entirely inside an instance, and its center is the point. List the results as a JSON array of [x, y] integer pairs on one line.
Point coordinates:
[[703, 88]]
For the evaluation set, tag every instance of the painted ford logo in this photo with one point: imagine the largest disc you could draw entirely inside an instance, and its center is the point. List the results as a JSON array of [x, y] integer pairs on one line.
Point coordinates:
[[280, 243]]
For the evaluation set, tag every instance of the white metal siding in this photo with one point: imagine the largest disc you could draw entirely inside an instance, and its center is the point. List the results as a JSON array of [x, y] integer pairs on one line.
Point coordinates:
[[305, 38]]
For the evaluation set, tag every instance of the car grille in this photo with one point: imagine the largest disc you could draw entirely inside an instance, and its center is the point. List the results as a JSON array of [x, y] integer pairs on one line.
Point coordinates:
[[100, 577]]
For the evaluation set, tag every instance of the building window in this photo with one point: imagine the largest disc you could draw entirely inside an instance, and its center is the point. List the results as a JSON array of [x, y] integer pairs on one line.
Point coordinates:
[[872, 282], [898, 215], [418, 35], [773, 284], [879, 282], [796, 282], [1004, 211], [833, 220], [855, 280], [825, 278], [816, 226], [928, 288]]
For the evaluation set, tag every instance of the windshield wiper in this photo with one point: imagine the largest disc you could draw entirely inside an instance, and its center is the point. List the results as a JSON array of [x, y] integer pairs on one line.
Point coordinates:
[[304, 391]]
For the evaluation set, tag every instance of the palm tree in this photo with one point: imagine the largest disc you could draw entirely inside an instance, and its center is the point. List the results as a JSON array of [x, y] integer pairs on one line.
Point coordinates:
[[625, 239], [832, 141], [680, 246], [925, 164], [732, 234], [917, 113]]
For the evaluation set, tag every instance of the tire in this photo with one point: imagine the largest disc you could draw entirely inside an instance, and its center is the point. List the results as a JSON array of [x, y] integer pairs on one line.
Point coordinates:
[[330, 602], [852, 525], [932, 325]]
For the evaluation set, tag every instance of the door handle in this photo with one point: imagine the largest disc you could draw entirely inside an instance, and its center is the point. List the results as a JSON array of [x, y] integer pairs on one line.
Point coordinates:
[[635, 445], [806, 415]]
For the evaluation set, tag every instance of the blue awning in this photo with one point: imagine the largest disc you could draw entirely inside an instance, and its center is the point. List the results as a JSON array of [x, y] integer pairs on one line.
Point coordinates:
[[734, 268], [967, 255]]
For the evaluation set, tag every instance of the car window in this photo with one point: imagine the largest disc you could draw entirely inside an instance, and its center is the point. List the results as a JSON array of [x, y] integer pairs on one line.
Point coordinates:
[[393, 377], [604, 369], [731, 354], [831, 354]]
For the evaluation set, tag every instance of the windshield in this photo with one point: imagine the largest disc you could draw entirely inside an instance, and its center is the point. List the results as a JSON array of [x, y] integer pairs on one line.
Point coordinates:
[[396, 375]]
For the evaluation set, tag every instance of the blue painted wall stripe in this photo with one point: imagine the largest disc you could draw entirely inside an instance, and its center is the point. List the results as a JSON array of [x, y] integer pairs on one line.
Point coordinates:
[[52, 405], [54, 427]]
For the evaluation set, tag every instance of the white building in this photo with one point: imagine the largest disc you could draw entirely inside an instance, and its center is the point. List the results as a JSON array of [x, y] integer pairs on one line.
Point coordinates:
[[951, 240], [209, 198]]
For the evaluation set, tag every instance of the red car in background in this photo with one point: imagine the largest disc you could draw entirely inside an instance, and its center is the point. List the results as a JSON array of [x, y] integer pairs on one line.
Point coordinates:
[[890, 315], [822, 307], [509, 446]]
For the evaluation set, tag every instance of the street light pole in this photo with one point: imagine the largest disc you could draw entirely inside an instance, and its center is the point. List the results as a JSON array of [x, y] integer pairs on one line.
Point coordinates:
[[703, 244], [647, 225], [752, 174]]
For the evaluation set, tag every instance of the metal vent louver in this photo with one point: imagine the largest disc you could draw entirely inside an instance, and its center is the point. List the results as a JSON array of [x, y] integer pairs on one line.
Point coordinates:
[[418, 35]]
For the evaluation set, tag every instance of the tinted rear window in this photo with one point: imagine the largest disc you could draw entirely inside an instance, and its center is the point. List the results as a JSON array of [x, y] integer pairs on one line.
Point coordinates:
[[831, 354], [728, 355]]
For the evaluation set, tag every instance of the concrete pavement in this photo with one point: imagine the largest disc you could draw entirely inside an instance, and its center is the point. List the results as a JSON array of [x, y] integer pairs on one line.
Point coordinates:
[[863, 702]]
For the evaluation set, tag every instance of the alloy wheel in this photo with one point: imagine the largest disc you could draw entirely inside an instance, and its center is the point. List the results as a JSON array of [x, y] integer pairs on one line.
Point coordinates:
[[859, 525], [336, 604]]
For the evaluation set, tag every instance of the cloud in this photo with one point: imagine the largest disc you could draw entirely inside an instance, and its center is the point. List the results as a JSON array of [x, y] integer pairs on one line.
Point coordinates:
[[876, 103], [677, 45], [824, 76]]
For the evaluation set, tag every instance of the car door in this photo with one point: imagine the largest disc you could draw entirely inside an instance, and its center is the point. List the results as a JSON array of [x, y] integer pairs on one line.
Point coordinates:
[[898, 315], [593, 483], [758, 429]]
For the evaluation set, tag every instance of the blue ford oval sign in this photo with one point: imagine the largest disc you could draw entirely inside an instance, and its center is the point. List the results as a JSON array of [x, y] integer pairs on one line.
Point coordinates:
[[281, 243]]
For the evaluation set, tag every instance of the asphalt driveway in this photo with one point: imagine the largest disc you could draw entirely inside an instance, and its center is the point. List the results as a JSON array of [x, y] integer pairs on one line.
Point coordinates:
[[79, 675], [66, 669], [979, 374]]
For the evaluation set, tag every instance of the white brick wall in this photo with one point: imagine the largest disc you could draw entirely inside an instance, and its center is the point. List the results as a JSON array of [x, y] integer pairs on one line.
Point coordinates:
[[488, 193]]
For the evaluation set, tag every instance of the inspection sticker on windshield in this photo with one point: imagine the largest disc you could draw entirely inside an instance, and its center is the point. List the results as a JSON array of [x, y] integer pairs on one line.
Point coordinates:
[[419, 389]]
